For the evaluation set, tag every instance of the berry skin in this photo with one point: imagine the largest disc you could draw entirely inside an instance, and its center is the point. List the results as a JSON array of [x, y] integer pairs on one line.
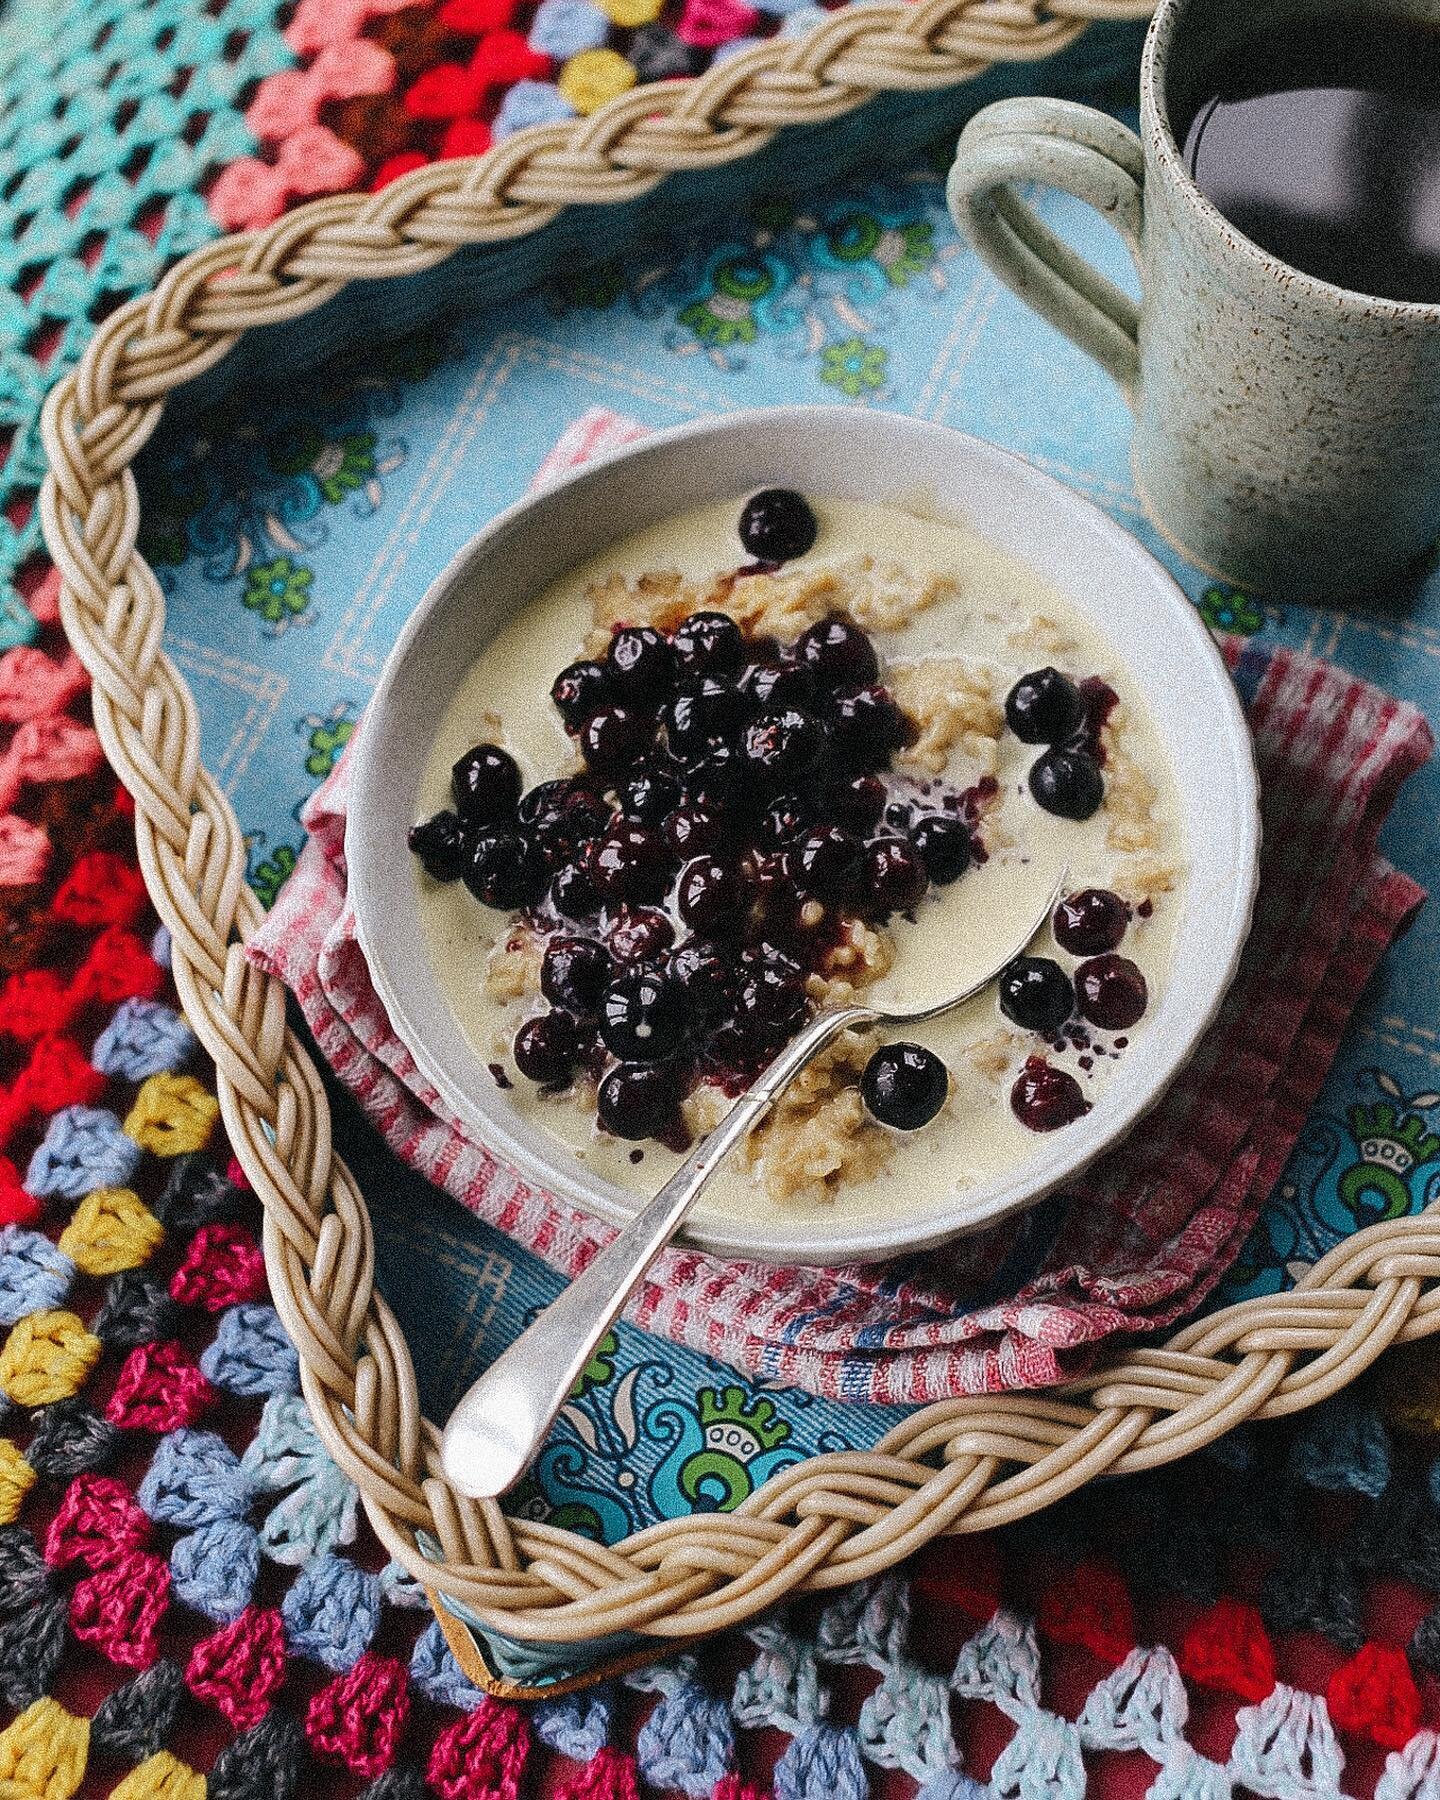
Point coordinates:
[[1111, 992], [777, 525], [692, 829], [631, 862], [702, 710], [892, 877], [1036, 994], [711, 896], [786, 818], [640, 664], [486, 785], [507, 869], [716, 781], [702, 975], [572, 893], [440, 844], [944, 846], [866, 727], [1044, 1098], [1067, 783], [773, 686], [1044, 707], [648, 797], [708, 643], [772, 990], [579, 691], [639, 934], [858, 803], [838, 655], [574, 973], [904, 1086], [827, 863], [1090, 922], [642, 1017], [612, 738], [561, 815], [546, 1049], [638, 1100], [783, 747]]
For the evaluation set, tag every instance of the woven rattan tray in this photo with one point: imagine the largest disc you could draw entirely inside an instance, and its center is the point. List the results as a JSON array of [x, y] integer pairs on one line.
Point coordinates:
[[958, 1466]]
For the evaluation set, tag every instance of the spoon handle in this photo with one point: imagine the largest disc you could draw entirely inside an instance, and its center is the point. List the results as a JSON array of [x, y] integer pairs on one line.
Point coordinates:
[[500, 1423]]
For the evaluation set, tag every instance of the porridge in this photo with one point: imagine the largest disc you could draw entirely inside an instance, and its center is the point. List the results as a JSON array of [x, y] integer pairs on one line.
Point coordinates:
[[702, 786]]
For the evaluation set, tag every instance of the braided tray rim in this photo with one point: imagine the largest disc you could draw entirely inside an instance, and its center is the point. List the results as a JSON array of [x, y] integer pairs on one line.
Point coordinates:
[[963, 1465]]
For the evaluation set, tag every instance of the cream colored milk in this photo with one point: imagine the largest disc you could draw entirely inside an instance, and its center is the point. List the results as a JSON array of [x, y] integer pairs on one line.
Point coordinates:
[[959, 930]]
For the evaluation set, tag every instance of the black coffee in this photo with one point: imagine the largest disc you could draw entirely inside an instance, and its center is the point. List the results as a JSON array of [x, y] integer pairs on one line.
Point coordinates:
[[1320, 140]]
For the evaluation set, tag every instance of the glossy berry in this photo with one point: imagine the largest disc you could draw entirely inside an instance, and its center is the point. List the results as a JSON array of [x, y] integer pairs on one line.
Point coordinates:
[[783, 747], [838, 655], [856, 804], [572, 893], [892, 877], [904, 1085], [784, 820], [1036, 994], [944, 846], [640, 664], [546, 1049], [648, 797], [772, 686], [1044, 1098], [1044, 707], [702, 974], [578, 691], [574, 973], [699, 712], [1111, 992], [439, 842], [708, 643], [692, 828], [1067, 783], [486, 785], [711, 896], [899, 816], [717, 780], [866, 727], [506, 869], [611, 739], [638, 1100], [630, 862], [827, 863], [638, 934], [561, 815], [642, 1017], [777, 525], [1090, 922]]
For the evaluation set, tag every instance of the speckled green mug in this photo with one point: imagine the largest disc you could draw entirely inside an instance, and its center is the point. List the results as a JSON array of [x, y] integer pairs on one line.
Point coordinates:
[[1287, 432]]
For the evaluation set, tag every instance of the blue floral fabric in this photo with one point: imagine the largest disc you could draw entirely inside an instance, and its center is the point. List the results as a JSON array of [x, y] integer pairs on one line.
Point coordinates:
[[293, 537]]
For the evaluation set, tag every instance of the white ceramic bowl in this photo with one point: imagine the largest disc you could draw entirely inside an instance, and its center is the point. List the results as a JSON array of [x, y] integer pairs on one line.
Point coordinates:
[[872, 456]]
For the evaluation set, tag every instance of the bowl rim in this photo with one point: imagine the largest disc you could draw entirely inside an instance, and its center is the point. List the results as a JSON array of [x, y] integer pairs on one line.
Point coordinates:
[[783, 1242]]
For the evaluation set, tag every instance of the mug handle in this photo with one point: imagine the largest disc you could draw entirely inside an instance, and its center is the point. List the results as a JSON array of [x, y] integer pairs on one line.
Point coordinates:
[[1084, 153]]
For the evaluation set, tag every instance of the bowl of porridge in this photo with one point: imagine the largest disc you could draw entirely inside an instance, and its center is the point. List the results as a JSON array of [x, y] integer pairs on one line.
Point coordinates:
[[774, 712]]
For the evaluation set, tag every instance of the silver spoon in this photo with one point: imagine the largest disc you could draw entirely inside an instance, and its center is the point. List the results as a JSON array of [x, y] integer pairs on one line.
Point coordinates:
[[495, 1432]]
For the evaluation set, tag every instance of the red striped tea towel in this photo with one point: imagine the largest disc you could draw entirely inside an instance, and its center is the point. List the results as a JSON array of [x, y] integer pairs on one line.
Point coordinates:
[[1150, 1229]]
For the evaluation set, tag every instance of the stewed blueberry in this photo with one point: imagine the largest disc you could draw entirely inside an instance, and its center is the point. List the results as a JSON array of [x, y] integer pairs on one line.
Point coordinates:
[[692, 828], [944, 845], [866, 727], [838, 654], [1067, 783], [784, 820], [572, 893], [574, 973], [1044, 707], [579, 691], [708, 643], [1090, 922], [648, 796], [717, 779], [904, 1085], [711, 895], [642, 1017], [638, 1100], [699, 712], [506, 869], [640, 663], [546, 1049], [771, 992], [772, 686], [857, 803], [612, 738], [1035, 993], [486, 784], [702, 975], [1111, 992], [777, 525], [630, 862], [563, 818], [1043, 1098], [439, 842], [892, 877], [783, 747], [638, 934], [827, 863]]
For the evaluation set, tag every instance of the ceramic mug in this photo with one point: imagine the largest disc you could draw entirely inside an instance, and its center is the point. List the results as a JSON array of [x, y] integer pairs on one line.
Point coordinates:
[[1287, 432]]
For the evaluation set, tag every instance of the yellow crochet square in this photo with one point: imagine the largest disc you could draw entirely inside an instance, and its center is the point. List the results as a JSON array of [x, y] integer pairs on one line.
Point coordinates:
[[43, 1753], [161, 1777], [629, 13], [16, 1480], [594, 76], [172, 1115], [112, 1229], [47, 1357]]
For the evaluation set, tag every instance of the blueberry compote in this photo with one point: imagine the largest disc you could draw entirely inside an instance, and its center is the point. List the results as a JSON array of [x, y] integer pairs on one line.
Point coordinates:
[[735, 815]]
